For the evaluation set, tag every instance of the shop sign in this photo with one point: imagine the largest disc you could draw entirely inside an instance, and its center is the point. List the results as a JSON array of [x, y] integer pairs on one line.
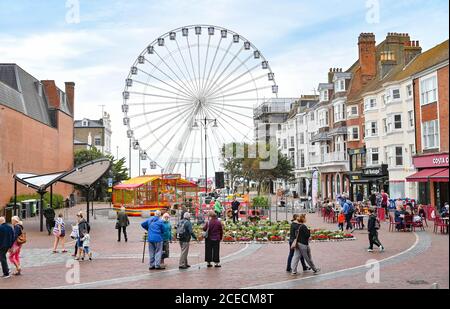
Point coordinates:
[[433, 160], [171, 176], [375, 171]]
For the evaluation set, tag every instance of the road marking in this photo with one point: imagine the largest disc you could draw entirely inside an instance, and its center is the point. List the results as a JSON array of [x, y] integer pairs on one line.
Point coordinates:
[[288, 283]]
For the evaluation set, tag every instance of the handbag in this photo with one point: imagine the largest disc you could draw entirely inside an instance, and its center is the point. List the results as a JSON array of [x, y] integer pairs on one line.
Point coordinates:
[[117, 225], [22, 238], [294, 243], [205, 233]]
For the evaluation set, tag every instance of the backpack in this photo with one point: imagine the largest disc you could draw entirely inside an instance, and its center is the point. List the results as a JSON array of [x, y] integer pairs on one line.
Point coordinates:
[[181, 229], [22, 238]]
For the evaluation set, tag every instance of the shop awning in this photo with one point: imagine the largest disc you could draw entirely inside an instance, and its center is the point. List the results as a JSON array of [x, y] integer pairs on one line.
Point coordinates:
[[442, 176], [426, 174]]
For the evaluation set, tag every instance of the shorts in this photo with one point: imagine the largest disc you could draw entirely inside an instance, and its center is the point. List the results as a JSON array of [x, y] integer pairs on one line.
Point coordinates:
[[86, 250], [79, 243]]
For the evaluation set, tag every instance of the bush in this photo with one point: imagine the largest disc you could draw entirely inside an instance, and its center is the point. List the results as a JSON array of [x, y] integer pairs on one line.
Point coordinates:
[[260, 201], [57, 202]]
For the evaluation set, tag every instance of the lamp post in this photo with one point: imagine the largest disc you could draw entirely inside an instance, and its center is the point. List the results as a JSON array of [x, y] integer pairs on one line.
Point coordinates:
[[205, 122]]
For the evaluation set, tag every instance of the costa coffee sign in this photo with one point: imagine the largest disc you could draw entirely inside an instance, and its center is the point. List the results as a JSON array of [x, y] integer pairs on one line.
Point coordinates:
[[432, 160]]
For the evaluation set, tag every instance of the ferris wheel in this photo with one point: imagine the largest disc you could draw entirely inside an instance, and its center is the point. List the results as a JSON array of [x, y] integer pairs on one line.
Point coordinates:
[[191, 91]]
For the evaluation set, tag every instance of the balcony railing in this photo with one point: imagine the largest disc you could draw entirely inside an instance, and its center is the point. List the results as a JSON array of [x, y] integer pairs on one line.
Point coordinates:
[[327, 158]]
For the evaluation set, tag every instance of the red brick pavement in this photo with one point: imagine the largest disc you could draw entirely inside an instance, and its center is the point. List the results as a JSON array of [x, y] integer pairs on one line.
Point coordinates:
[[264, 265]]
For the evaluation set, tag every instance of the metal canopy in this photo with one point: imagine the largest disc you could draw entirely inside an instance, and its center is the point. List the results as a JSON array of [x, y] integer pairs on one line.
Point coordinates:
[[84, 175]]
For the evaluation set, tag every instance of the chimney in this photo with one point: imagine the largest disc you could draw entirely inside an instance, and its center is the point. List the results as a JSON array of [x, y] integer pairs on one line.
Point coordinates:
[[70, 94], [51, 93], [411, 50], [330, 76], [367, 56]]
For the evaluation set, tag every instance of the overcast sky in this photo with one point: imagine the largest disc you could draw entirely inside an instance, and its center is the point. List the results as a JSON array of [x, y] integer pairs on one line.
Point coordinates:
[[301, 39]]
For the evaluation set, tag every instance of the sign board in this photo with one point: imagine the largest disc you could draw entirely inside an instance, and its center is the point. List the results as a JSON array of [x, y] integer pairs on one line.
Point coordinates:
[[315, 187], [375, 171], [109, 190], [431, 160], [171, 176], [110, 182]]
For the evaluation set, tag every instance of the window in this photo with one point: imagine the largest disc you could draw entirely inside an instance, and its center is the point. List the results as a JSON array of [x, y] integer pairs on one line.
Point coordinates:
[[428, 90], [292, 141], [302, 158], [412, 152], [97, 141], [85, 123], [292, 156], [386, 155], [430, 135], [398, 155], [302, 138], [409, 91], [311, 116], [396, 94], [339, 85], [370, 103], [398, 121], [300, 120], [385, 127], [284, 143], [397, 190], [339, 112], [373, 156], [324, 95], [353, 133], [279, 142], [371, 129], [352, 111], [411, 119], [279, 126], [323, 118]]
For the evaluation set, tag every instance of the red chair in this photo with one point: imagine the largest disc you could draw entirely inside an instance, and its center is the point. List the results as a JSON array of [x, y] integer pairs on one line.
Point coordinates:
[[439, 223], [418, 224], [392, 224], [408, 224]]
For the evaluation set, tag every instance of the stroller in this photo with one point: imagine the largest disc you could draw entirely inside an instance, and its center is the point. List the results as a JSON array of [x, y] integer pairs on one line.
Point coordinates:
[[49, 215]]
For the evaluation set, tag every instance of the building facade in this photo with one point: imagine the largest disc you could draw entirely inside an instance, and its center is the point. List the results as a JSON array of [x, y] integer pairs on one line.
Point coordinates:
[[93, 133], [36, 129]]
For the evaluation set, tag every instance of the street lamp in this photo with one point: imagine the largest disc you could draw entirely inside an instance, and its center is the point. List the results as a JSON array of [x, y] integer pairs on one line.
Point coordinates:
[[205, 122]]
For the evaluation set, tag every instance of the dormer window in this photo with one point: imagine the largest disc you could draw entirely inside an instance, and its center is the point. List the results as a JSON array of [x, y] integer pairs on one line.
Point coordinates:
[[324, 95], [39, 89], [339, 85], [85, 123]]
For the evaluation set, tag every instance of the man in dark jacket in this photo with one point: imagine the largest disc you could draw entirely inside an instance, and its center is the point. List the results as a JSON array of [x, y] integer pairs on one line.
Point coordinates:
[[184, 239], [372, 227], [235, 209], [49, 215], [6, 242], [122, 223]]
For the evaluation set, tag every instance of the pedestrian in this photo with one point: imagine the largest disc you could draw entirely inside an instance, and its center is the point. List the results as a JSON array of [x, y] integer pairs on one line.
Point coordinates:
[[292, 235], [49, 214], [122, 223], [373, 226], [83, 228], [74, 235], [348, 210], [384, 203], [359, 196], [373, 199], [59, 231], [184, 234], [218, 208], [302, 248], [155, 230], [6, 242], [213, 235], [235, 207], [19, 240], [167, 237], [341, 220], [86, 247]]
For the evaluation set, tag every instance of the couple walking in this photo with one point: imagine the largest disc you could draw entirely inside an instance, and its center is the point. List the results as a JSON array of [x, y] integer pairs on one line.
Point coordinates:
[[11, 240]]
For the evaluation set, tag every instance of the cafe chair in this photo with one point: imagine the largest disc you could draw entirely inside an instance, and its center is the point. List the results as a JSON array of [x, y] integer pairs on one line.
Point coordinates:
[[408, 224], [439, 224], [392, 224]]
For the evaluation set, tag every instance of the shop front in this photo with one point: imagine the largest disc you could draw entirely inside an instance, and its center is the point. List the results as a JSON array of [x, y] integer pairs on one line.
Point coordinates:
[[433, 178], [377, 178]]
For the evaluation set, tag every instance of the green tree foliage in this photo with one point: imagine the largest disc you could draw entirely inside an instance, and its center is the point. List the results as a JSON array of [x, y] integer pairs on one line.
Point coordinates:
[[118, 171]]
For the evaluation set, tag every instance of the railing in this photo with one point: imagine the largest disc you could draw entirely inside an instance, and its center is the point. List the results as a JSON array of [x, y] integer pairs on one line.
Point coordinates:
[[326, 158]]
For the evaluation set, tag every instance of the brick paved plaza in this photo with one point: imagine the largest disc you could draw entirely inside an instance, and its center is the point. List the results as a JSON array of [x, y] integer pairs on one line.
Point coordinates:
[[411, 260]]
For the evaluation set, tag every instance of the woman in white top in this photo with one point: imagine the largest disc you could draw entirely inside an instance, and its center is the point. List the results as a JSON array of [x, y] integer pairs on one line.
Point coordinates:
[[60, 232]]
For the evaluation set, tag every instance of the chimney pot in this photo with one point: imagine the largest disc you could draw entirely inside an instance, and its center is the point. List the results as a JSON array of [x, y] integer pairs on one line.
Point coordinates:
[[417, 43]]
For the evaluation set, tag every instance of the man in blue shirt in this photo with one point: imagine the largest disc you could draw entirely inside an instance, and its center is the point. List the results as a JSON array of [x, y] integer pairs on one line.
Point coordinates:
[[155, 229], [6, 242], [348, 210]]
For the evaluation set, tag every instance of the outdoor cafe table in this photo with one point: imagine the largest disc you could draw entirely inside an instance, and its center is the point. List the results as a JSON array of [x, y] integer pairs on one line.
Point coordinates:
[[445, 219]]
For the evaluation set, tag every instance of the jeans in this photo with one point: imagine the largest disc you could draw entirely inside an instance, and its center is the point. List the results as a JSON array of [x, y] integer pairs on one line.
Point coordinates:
[[155, 252], [212, 251], [373, 240], [291, 255], [235, 216], [184, 253], [305, 252], [348, 217], [124, 229], [3, 261]]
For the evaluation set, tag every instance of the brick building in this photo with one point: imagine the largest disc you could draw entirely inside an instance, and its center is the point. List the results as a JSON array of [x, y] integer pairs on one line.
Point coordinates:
[[431, 109], [36, 129]]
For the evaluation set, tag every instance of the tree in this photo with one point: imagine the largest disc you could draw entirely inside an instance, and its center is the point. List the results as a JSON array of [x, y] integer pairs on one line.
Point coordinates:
[[118, 171]]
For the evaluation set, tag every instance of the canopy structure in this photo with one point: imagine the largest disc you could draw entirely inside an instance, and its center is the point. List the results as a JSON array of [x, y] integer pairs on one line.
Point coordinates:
[[433, 174], [85, 175]]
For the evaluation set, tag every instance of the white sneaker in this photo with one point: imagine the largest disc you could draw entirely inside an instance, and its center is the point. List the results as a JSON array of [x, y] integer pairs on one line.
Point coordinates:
[[369, 250], [293, 273], [381, 249]]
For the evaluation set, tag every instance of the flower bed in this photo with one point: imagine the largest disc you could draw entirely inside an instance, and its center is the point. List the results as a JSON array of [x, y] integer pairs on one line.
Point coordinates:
[[266, 231]]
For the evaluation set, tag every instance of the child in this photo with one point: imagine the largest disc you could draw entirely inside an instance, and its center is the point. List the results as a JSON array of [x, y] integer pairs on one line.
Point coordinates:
[[341, 220], [74, 235], [86, 241]]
